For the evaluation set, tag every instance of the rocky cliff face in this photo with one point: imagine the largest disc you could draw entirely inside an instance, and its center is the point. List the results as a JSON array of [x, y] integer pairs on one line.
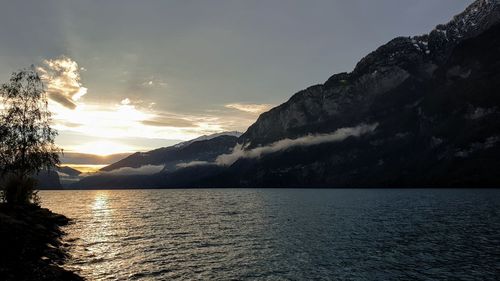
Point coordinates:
[[346, 99], [434, 99]]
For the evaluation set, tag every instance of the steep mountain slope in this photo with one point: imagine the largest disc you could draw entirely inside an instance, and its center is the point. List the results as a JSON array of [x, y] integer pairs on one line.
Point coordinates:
[[435, 100], [347, 99]]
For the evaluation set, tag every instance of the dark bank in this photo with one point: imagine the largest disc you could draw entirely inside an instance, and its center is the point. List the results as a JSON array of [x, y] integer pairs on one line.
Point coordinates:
[[31, 244]]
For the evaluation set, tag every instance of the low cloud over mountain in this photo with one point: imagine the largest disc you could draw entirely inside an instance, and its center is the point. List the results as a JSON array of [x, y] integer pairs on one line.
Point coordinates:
[[339, 135], [128, 171]]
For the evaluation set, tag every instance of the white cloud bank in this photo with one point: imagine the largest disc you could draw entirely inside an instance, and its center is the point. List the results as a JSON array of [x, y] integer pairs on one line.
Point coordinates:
[[128, 171], [309, 140], [250, 107], [192, 163]]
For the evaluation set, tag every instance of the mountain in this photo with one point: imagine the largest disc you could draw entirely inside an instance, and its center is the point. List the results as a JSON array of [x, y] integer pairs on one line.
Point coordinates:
[[68, 175], [52, 179], [139, 169], [48, 180], [69, 171], [209, 137], [432, 102], [346, 99], [205, 149], [186, 177]]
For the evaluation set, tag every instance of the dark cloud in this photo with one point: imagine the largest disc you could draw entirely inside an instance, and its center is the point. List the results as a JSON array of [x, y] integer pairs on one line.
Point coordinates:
[[62, 99]]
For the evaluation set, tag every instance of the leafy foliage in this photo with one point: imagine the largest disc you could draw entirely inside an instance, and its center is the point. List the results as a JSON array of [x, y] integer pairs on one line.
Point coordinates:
[[18, 190], [26, 138]]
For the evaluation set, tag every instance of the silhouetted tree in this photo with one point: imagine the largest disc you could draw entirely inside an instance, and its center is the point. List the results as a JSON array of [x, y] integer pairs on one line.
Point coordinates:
[[26, 138]]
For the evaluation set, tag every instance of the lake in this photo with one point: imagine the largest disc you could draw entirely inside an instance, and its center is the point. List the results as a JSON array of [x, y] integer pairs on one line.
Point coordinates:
[[282, 234]]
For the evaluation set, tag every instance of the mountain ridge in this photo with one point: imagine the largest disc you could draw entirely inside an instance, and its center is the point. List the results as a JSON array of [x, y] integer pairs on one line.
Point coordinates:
[[203, 150], [388, 66]]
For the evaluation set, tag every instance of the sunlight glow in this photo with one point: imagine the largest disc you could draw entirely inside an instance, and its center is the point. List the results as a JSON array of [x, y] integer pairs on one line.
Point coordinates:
[[110, 123], [103, 148], [86, 168], [123, 120]]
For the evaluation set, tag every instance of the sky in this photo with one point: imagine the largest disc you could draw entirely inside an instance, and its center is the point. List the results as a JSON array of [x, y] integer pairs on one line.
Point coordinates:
[[126, 76]]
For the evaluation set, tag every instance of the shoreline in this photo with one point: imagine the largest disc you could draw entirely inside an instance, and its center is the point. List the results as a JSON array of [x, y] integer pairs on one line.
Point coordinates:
[[31, 246]]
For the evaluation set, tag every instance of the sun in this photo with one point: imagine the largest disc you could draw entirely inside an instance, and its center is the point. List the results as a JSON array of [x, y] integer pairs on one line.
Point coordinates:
[[103, 148]]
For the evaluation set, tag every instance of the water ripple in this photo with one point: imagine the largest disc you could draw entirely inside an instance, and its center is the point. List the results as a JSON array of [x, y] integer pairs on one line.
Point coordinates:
[[269, 234]]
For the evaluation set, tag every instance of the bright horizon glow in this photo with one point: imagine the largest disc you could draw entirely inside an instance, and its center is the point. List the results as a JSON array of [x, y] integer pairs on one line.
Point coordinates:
[[86, 168], [103, 148], [112, 124]]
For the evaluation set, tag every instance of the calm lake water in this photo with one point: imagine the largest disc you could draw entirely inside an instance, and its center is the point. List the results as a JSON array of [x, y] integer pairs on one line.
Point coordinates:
[[282, 234]]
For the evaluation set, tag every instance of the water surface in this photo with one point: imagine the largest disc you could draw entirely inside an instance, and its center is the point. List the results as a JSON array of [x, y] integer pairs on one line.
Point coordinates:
[[282, 234]]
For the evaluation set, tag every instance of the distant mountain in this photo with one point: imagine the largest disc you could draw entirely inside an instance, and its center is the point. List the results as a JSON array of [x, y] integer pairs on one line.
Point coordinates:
[[129, 172], [48, 180], [209, 137], [184, 177], [205, 148], [56, 178], [69, 171], [68, 175]]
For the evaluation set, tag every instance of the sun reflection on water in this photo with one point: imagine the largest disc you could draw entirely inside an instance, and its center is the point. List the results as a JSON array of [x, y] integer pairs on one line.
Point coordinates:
[[100, 201], [98, 241]]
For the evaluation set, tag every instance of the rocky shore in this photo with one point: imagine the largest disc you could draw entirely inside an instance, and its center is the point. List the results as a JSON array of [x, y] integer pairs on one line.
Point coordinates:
[[31, 246]]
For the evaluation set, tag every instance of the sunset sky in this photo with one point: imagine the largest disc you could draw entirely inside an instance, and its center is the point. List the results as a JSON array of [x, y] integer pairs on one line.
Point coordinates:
[[125, 75]]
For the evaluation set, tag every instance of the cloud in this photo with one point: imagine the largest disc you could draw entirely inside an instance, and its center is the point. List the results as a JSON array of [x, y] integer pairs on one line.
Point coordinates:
[[125, 101], [192, 164], [339, 135], [69, 124], [122, 121], [154, 83], [128, 171], [62, 99], [167, 121], [250, 107], [62, 80]]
